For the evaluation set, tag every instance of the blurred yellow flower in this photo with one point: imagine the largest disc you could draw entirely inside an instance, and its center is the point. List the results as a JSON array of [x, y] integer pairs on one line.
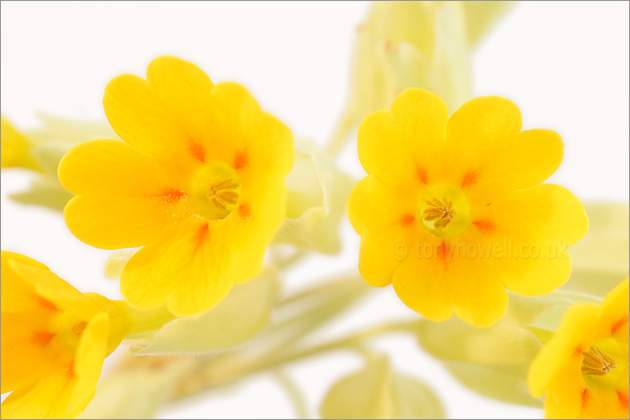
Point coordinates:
[[583, 369], [15, 148], [54, 341], [41, 149], [452, 210], [198, 181]]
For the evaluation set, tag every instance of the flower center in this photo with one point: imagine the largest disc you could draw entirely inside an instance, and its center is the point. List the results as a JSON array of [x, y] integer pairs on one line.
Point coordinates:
[[65, 330], [215, 190], [440, 212], [444, 211], [597, 362]]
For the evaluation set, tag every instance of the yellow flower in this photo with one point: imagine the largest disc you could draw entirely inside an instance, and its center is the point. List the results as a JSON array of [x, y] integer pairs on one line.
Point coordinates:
[[583, 369], [198, 182], [452, 211], [15, 148], [54, 340]]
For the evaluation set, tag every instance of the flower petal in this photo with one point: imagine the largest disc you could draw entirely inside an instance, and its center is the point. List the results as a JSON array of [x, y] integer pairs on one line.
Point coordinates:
[[436, 285], [192, 266], [88, 361], [113, 223], [142, 120], [184, 255], [185, 91], [483, 123], [489, 154], [401, 146], [24, 360], [48, 398], [526, 234], [569, 341], [614, 315], [111, 168], [240, 134], [385, 220], [564, 398]]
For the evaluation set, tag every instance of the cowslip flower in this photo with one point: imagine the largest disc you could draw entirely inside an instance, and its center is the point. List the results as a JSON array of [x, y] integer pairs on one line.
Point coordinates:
[[54, 341], [583, 369], [15, 148], [198, 182], [452, 211]]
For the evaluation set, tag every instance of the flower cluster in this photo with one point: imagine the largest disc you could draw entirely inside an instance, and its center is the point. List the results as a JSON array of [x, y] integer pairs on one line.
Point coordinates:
[[199, 188]]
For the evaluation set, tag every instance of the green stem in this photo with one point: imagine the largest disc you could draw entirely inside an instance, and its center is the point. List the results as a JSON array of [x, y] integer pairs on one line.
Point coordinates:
[[354, 341], [285, 262], [234, 367], [145, 321], [294, 393]]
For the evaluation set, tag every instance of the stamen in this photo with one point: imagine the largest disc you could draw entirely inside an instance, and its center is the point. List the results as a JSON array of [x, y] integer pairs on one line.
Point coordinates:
[[596, 362], [441, 212], [222, 193]]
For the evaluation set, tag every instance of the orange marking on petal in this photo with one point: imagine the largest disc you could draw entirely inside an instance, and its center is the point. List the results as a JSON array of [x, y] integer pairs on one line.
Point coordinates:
[[78, 328], [241, 160], [69, 371], [486, 226], [470, 178], [200, 236], [623, 399], [444, 252], [244, 211], [584, 397], [42, 338], [172, 195], [197, 151], [421, 175], [407, 219], [620, 323], [577, 351], [46, 304]]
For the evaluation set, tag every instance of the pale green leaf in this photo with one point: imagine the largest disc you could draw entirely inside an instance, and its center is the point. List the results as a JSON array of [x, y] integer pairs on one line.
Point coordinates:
[[449, 74], [503, 383], [44, 191], [494, 361], [243, 314], [413, 44], [70, 131], [481, 15], [47, 145], [600, 260], [137, 391], [378, 392], [316, 201], [116, 264]]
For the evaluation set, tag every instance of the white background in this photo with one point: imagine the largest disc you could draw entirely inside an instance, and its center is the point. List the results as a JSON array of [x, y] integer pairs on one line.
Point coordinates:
[[565, 65]]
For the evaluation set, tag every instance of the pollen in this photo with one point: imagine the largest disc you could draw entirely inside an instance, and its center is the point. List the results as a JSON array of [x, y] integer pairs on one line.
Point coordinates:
[[443, 211], [597, 362]]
